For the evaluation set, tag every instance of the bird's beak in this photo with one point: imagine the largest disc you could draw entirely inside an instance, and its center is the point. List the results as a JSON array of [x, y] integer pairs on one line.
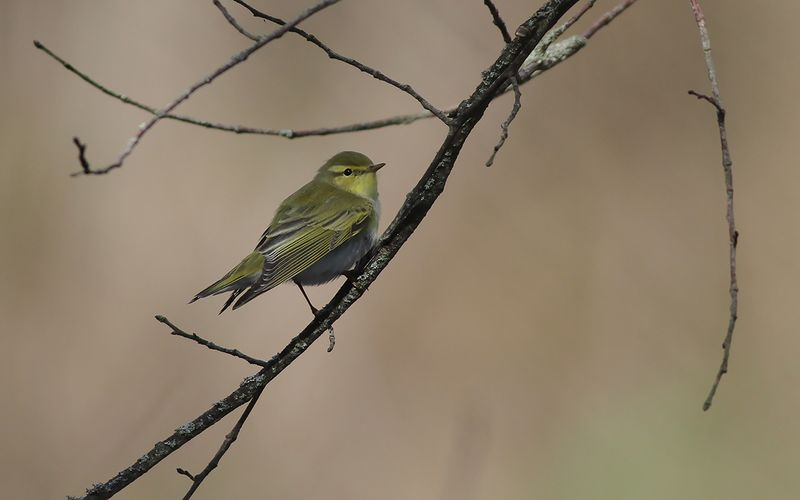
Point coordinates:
[[376, 167]]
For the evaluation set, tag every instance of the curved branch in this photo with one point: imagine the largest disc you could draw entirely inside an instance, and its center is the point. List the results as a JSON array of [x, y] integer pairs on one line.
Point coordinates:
[[408, 218], [727, 167], [404, 87], [501, 25], [158, 115], [554, 55]]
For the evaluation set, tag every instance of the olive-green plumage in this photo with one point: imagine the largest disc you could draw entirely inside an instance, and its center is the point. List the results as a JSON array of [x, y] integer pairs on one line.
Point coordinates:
[[317, 233]]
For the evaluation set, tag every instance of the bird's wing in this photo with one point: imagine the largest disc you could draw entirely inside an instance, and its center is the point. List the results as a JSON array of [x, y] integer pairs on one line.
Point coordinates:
[[303, 233]]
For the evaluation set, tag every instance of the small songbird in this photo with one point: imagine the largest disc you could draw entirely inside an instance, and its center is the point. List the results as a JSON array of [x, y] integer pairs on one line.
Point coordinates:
[[318, 233]]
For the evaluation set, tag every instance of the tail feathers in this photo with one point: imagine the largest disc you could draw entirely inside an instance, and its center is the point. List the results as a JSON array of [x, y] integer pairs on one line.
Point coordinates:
[[231, 299], [251, 293], [239, 278]]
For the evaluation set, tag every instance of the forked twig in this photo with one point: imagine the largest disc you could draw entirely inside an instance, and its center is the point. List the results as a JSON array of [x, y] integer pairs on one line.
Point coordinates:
[[727, 166], [554, 55], [234, 61], [408, 89], [230, 438]]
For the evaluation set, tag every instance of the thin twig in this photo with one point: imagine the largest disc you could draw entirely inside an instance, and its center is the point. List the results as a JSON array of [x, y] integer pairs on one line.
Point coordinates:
[[352, 62], [607, 18], [578, 15], [507, 122], [497, 20], [409, 217], [235, 60], [226, 444], [214, 347], [555, 55], [233, 22], [727, 166], [501, 25], [184, 472]]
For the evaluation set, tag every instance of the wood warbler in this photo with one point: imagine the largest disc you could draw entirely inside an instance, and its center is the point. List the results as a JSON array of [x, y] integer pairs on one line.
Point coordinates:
[[318, 233]]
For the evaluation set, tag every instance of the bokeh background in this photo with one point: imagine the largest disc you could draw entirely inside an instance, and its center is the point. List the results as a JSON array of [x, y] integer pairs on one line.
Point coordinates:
[[550, 331]]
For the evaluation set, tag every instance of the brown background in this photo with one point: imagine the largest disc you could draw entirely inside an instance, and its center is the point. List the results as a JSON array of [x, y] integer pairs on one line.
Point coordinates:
[[549, 332]]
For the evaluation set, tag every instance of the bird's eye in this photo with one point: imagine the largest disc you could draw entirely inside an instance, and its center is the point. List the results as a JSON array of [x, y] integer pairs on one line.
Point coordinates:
[[348, 171]]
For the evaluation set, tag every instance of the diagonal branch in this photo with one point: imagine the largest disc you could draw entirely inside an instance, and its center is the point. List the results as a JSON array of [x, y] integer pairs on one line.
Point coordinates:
[[226, 444], [234, 61], [407, 220], [352, 62], [607, 17], [214, 347], [727, 167]]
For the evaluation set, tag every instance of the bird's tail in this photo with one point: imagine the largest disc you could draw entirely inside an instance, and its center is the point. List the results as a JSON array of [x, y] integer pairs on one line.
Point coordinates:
[[237, 279]]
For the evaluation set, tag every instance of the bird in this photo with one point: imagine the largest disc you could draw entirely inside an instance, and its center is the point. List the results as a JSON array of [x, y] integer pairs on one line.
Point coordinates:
[[318, 233]]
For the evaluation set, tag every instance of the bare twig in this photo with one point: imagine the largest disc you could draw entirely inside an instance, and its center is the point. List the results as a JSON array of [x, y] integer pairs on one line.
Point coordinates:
[[184, 472], [497, 20], [578, 15], [507, 122], [226, 444], [214, 347], [607, 18], [81, 154], [233, 22], [411, 214], [556, 54], [235, 60], [501, 25], [727, 166], [352, 62]]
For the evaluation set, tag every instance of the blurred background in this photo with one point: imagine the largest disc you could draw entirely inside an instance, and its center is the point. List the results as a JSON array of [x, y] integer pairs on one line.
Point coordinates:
[[550, 331]]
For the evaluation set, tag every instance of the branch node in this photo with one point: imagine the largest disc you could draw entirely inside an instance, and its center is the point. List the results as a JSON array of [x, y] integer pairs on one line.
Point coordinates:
[[711, 100], [184, 472]]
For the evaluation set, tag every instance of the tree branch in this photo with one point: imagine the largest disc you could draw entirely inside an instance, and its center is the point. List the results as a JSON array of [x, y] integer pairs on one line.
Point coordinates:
[[727, 167], [214, 347], [408, 218], [228, 17], [352, 62], [234, 61], [226, 444], [554, 55], [607, 18], [501, 25]]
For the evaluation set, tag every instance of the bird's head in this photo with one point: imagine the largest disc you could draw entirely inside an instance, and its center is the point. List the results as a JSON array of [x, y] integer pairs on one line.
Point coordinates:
[[352, 172]]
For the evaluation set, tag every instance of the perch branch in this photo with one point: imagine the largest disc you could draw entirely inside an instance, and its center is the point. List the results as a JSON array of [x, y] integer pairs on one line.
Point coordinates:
[[411, 214], [727, 167]]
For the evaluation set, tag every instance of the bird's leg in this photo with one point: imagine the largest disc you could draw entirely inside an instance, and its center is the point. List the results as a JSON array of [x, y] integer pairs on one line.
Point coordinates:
[[314, 310]]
